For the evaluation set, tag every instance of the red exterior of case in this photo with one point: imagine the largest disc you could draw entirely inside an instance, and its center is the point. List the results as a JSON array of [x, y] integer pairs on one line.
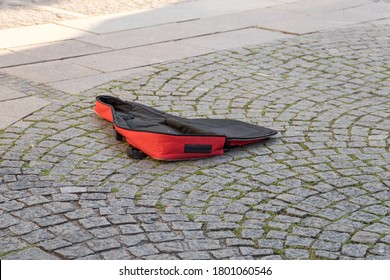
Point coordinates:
[[164, 146]]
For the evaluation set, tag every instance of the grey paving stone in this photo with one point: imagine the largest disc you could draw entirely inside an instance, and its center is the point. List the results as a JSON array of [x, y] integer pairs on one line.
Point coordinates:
[[297, 254], [111, 211], [198, 255], [31, 254], [315, 222], [250, 251], [327, 245], [93, 222], [10, 244], [74, 190], [60, 207], [80, 214], [345, 225], [117, 254], [143, 250], [75, 251], [276, 234], [164, 236], [221, 226], [186, 226], [11, 205], [193, 234], [32, 200], [386, 239], [365, 237], [23, 228], [220, 234], [327, 255], [334, 236], [38, 235], [252, 233], [331, 214], [381, 249], [272, 257], [6, 220], [130, 229], [91, 257], [170, 247], [299, 241], [78, 236], [156, 227], [64, 197], [270, 243], [121, 219], [305, 231], [105, 232], [378, 228], [32, 212], [53, 244], [103, 244], [363, 217], [132, 240], [225, 253], [354, 250], [201, 245], [50, 220], [162, 257]]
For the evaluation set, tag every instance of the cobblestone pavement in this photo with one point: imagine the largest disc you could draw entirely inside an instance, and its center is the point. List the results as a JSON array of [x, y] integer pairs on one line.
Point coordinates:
[[319, 190], [17, 13]]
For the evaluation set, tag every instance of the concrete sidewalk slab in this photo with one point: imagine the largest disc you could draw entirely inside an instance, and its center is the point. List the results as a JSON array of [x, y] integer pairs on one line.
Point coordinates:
[[23, 106], [6, 121], [180, 30], [77, 85], [16, 109], [303, 24], [30, 35], [382, 22], [112, 61], [139, 56], [174, 13], [7, 93], [59, 50], [161, 33], [235, 39], [309, 7], [50, 71], [9, 58], [360, 14]]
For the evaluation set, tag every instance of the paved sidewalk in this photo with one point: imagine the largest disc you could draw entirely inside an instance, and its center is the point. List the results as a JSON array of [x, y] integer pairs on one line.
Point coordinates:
[[78, 54], [319, 190]]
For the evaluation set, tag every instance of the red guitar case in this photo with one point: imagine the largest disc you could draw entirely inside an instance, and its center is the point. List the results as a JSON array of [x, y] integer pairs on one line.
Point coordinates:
[[162, 136]]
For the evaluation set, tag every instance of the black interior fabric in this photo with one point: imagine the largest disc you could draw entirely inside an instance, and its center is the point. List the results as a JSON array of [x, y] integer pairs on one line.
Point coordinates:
[[138, 117]]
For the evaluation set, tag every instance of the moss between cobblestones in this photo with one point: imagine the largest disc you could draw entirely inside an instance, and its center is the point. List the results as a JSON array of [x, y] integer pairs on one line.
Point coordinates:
[[280, 252], [114, 190], [238, 232], [45, 172], [138, 196], [256, 243], [191, 217], [313, 256], [160, 206], [17, 251]]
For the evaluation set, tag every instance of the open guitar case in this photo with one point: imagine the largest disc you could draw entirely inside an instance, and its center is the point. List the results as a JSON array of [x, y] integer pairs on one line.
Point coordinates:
[[150, 132]]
